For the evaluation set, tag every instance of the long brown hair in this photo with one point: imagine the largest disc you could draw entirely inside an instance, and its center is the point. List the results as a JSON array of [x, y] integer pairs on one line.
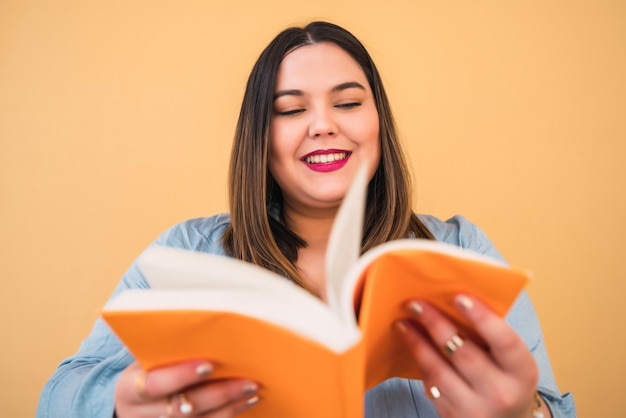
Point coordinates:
[[259, 237]]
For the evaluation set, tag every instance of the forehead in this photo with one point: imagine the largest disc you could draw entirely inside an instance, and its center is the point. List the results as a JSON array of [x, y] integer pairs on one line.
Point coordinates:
[[321, 64]]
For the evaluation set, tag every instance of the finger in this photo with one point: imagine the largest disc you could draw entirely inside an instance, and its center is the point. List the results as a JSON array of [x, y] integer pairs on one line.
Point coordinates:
[[171, 379], [443, 384], [450, 393], [441, 330], [472, 363], [232, 410], [215, 396], [130, 396], [506, 347], [245, 404]]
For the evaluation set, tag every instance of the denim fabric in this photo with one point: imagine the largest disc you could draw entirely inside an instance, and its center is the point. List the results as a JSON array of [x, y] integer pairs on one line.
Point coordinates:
[[83, 385]]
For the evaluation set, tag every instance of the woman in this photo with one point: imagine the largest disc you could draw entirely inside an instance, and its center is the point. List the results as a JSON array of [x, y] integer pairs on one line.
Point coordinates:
[[314, 111]]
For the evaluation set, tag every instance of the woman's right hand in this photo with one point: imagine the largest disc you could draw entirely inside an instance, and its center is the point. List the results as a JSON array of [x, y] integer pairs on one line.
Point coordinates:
[[182, 390]]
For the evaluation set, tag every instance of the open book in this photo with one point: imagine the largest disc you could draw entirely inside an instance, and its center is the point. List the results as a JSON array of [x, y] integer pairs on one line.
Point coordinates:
[[311, 359]]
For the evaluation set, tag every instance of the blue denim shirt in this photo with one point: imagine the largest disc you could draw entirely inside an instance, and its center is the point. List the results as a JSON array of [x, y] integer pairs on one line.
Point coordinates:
[[83, 385]]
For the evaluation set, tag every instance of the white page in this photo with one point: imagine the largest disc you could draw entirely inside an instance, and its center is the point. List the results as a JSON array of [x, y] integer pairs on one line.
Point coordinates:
[[220, 282], [344, 244], [302, 316], [175, 268]]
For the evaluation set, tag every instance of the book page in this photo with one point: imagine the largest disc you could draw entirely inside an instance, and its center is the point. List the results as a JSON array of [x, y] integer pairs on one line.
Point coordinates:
[[176, 268], [344, 245], [298, 313], [230, 285]]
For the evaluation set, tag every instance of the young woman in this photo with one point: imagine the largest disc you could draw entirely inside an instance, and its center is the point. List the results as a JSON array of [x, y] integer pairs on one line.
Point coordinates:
[[314, 111]]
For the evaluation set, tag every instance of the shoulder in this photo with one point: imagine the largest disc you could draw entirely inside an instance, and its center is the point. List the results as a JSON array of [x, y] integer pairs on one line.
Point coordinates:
[[459, 231], [199, 234]]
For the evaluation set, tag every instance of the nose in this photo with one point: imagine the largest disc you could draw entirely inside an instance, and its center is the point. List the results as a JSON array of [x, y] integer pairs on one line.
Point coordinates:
[[322, 124]]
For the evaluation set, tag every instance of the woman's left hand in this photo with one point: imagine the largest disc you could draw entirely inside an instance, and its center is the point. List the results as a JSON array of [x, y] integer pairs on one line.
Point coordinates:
[[462, 376]]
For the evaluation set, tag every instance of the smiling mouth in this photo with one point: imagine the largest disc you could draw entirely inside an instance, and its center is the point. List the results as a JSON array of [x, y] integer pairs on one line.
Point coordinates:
[[326, 158]]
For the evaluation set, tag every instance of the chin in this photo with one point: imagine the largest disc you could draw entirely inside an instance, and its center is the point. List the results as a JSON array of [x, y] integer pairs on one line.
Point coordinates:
[[329, 200]]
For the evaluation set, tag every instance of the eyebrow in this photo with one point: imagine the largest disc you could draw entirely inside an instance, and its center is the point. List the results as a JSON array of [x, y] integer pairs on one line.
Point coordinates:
[[337, 88]]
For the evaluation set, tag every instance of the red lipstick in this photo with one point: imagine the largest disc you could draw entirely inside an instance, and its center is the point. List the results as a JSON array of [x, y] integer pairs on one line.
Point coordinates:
[[328, 160]]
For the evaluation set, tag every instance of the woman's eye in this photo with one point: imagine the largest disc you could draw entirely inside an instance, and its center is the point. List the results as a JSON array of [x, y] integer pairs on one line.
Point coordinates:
[[349, 105], [289, 112]]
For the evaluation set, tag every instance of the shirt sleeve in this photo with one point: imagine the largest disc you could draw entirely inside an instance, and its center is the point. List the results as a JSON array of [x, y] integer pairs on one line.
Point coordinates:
[[84, 384], [522, 317]]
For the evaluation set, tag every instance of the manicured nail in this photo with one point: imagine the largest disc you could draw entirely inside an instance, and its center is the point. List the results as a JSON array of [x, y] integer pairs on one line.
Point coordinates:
[[250, 389], [465, 302], [204, 369], [434, 392], [250, 402], [415, 308]]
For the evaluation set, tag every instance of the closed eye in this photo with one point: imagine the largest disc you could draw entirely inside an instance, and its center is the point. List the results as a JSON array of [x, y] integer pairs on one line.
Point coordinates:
[[348, 105], [290, 112]]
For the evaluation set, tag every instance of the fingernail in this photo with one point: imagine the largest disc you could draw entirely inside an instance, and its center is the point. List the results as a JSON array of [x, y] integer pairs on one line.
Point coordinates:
[[465, 302], [434, 392], [250, 402], [250, 389], [204, 369], [415, 308]]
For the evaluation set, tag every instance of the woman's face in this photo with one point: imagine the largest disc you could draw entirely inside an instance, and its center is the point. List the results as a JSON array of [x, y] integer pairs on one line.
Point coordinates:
[[324, 126]]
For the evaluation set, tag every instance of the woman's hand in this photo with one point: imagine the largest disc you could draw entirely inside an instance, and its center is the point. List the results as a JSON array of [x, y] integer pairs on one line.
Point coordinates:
[[462, 376], [182, 390]]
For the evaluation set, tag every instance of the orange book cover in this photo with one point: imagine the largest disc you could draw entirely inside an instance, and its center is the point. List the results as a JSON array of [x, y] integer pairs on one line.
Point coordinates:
[[298, 377], [311, 359], [409, 270]]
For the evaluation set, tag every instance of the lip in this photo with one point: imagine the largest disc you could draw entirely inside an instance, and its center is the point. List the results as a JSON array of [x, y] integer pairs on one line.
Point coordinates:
[[327, 167]]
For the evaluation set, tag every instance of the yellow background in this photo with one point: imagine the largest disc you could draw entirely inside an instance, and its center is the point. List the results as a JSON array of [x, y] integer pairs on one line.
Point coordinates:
[[116, 121]]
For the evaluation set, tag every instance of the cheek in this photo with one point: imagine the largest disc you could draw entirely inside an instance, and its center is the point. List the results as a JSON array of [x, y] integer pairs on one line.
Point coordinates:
[[373, 141], [370, 132], [281, 148], [278, 142], [273, 157], [366, 126]]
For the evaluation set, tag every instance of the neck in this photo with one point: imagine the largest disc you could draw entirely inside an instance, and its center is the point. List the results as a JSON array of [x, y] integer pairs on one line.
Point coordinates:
[[314, 228]]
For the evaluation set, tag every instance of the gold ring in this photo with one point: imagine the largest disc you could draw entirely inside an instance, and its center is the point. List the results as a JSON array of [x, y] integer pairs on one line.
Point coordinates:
[[169, 409], [140, 385], [184, 406], [537, 409], [453, 344]]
